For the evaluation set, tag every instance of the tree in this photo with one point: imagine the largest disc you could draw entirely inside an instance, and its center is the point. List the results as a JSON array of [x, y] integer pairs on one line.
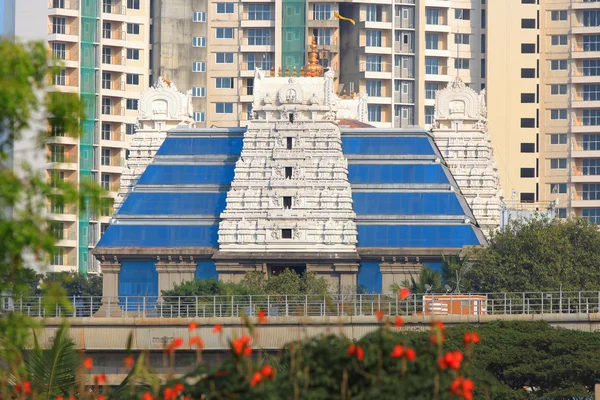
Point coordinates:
[[74, 284], [453, 270], [538, 255], [427, 276]]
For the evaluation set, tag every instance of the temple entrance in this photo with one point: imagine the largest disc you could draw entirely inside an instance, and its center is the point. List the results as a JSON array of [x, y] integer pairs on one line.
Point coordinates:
[[276, 269]]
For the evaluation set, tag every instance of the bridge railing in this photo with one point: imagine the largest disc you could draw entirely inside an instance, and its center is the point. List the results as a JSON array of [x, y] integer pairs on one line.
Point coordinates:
[[309, 305]]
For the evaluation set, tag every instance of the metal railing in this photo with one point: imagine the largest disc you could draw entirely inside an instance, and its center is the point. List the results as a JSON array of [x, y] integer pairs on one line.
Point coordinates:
[[312, 305]]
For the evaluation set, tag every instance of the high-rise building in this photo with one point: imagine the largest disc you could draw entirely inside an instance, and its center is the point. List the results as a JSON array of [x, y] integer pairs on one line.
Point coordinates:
[[104, 49], [543, 103], [399, 52]]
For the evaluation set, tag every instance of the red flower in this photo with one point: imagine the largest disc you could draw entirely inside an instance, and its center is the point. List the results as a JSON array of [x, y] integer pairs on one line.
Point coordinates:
[[410, 354], [18, 388], [128, 362], [438, 325], [404, 293], [176, 343], [242, 345], [379, 315], [462, 387], [147, 396], [262, 317], [451, 359], [256, 378], [397, 352], [169, 394], [88, 363], [354, 350], [268, 372], [192, 326], [434, 338], [197, 340], [471, 337], [218, 328], [27, 387], [98, 379], [399, 322], [179, 387], [101, 397], [59, 398]]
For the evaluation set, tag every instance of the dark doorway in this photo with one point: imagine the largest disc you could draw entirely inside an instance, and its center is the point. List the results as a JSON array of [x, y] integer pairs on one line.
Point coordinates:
[[289, 143], [291, 116], [288, 172], [287, 202]]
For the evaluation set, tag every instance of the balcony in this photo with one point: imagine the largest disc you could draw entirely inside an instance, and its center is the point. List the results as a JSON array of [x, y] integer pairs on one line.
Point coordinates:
[[66, 83], [247, 69], [112, 136], [437, 73], [66, 56], [113, 10], [403, 98], [584, 5], [322, 23], [585, 50], [403, 73], [66, 237], [257, 45], [63, 33], [376, 70], [63, 7], [249, 20], [325, 44], [402, 23], [113, 110], [65, 263], [404, 48], [62, 158]]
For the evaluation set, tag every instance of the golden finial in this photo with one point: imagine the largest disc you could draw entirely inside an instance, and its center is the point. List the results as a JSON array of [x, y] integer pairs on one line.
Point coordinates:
[[344, 94], [313, 68], [301, 71], [294, 71], [352, 94], [287, 71], [279, 71], [272, 70]]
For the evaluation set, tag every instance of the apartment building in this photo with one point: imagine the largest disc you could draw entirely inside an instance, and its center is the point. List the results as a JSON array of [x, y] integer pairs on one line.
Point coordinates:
[[104, 48], [543, 102], [212, 47]]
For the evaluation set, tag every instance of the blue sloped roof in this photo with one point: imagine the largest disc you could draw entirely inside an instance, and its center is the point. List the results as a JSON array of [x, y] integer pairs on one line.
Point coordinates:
[[403, 194]]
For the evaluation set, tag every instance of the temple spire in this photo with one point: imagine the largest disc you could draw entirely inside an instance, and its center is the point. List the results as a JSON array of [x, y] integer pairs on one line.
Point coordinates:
[[313, 68]]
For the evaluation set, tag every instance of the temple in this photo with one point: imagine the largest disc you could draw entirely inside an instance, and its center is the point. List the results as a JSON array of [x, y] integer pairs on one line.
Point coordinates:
[[460, 130], [308, 185]]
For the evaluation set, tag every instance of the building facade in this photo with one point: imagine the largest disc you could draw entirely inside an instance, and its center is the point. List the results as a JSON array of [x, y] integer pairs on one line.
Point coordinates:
[[104, 49], [399, 52]]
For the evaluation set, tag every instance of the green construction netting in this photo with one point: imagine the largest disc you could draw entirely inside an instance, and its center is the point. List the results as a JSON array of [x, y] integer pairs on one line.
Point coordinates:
[[88, 86], [293, 34]]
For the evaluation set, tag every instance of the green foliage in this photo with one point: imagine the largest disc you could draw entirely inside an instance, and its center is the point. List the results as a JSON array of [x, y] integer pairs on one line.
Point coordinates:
[[538, 255], [73, 283], [453, 270], [427, 276]]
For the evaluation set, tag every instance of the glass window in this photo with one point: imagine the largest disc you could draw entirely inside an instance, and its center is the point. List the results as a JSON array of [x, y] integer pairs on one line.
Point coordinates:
[[323, 36], [591, 166], [591, 117], [558, 163], [591, 18], [591, 141], [199, 16], [432, 41], [430, 89], [198, 92], [199, 41], [224, 8], [224, 108], [105, 131], [58, 256], [462, 13], [59, 25], [373, 38], [429, 112], [105, 181], [558, 89], [559, 40], [198, 66], [374, 13], [591, 215], [558, 188], [431, 66], [59, 50], [129, 129], [558, 15], [590, 191], [133, 4], [591, 67], [559, 113], [321, 11], [224, 83], [259, 12], [558, 65], [133, 79], [224, 33], [263, 61], [105, 159], [133, 54], [558, 138], [199, 116], [373, 63], [432, 15], [373, 87], [133, 29], [462, 38], [374, 112], [131, 104], [591, 43], [259, 37], [224, 58], [61, 78], [561, 212], [461, 63]]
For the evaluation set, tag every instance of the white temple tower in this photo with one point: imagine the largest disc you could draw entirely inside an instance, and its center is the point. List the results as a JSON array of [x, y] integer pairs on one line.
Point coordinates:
[[460, 130], [161, 108]]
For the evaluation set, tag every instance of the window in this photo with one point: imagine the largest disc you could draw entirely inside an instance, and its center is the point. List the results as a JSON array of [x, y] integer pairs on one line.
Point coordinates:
[[60, 79], [224, 58], [374, 112], [263, 61], [429, 111], [591, 67], [106, 105], [321, 11], [591, 141], [591, 18], [105, 158], [129, 129], [374, 13], [105, 181], [106, 55], [133, 54], [224, 83], [558, 65], [527, 147], [198, 41], [561, 213], [432, 15], [461, 63], [288, 172], [289, 143], [527, 73], [133, 4], [373, 38], [198, 66], [527, 23], [259, 12], [558, 138], [527, 122], [224, 8], [58, 256], [462, 13], [59, 50], [131, 104], [558, 89], [432, 41], [527, 197], [286, 233], [462, 38], [373, 63], [527, 48], [528, 1], [58, 3], [57, 153], [323, 36], [133, 29], [287, 202], [591, 166], [560, 113], [558, 188], [591, 117], [590, 191], [559, 40], [105, 130], [106, 30], [133, 79], [224, 33], [199, 116], [558, 163], [527, 97], [591, 92], [483, 43], [259, 37], [431, 66], [404, 87], [430, 89], [405, 13], [57, 229], [198, 92], [558, 15], [224, 108], [527, 172], [373, 88], [199, 16], [59, 25]]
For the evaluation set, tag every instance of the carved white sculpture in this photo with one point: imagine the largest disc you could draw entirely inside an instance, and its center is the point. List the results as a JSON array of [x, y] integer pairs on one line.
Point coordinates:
[[461, 132], [161, 108], [321, 218]]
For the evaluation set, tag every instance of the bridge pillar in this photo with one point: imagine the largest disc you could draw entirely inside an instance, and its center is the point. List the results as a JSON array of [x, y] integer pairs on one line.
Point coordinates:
[[110, 288], [396, 272]]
